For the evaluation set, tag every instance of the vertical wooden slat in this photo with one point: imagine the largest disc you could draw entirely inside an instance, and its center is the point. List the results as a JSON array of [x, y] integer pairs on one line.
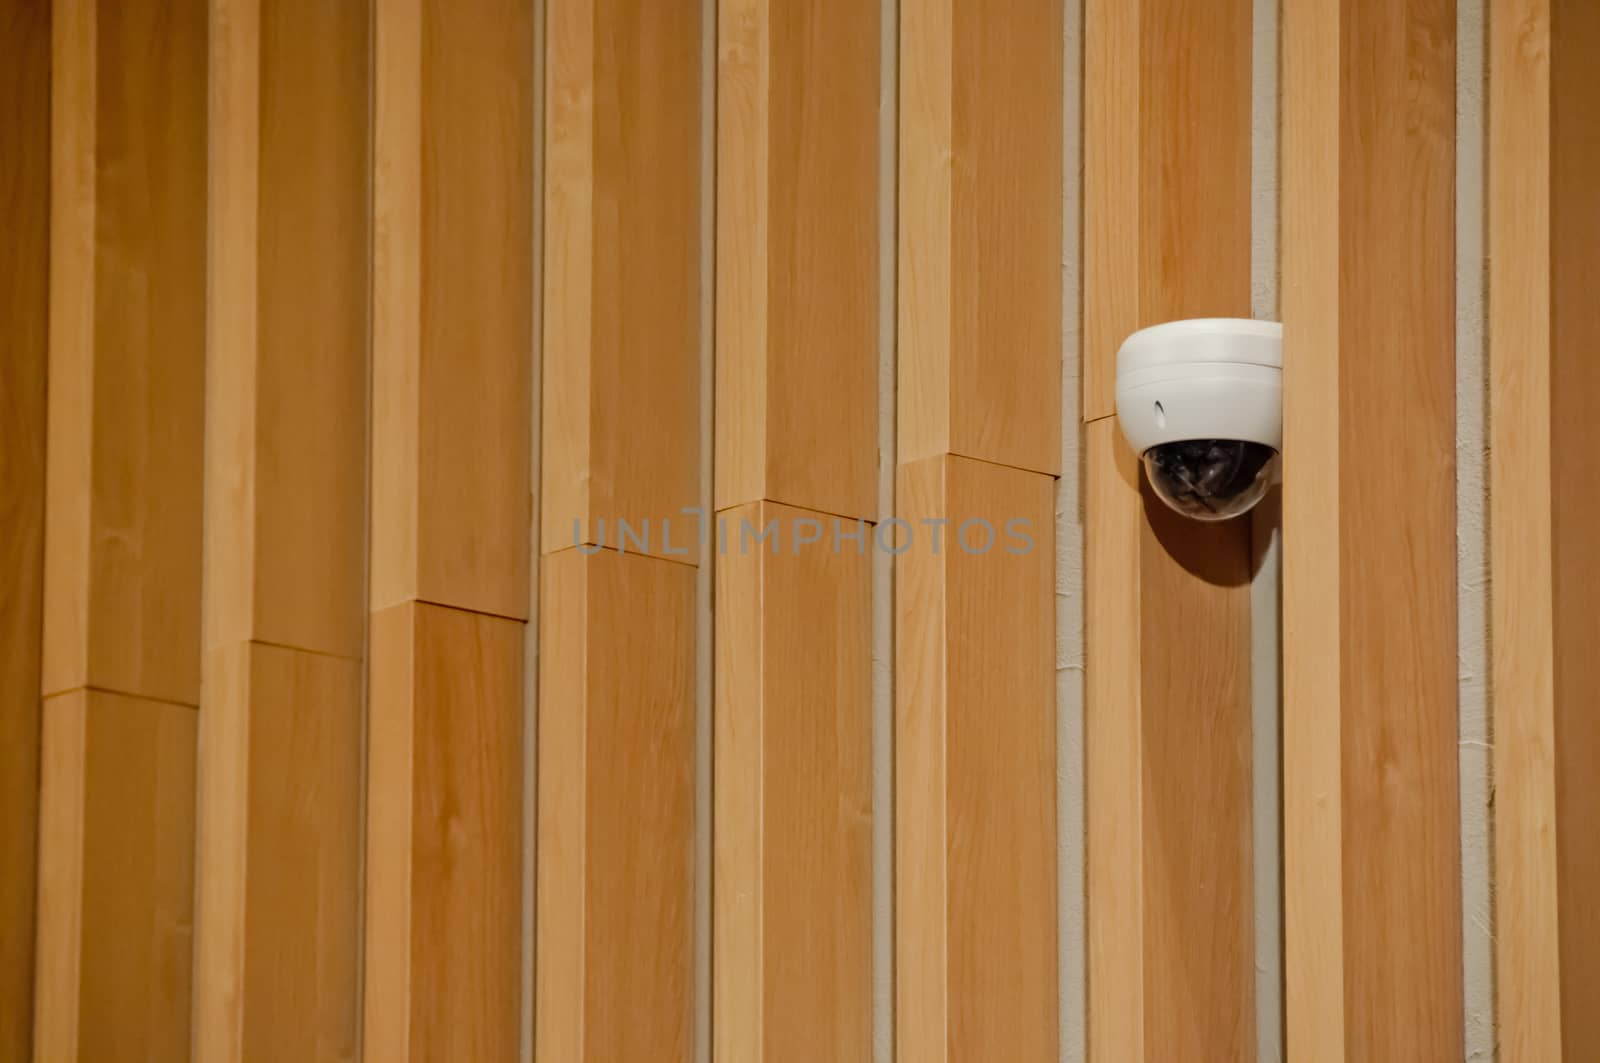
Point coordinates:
[[621, 306], [444, 834], [978, 414], [793, 744], [280, 733], [1544, 232], [796, 229], [1167, 236], [452, 340], [614, 967], [796, 413], [122, 574], [616, 796], [975, 732], [1372, 896], [24, 309], [117, 822], [980, 257]]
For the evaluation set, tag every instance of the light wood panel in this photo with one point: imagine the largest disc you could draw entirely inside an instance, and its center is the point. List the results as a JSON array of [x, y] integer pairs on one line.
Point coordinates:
[[1544, 253], [288, 312], [122, 565], [1167, 717], [451, 407], [1171, 933], [452, 312], [116, 879], [621, 276], [1372, 891], [24, 310], [975, 723], [279, 855], [615, 951], [444, 835], [980, 232], [797, 224], [1166, 170], [792, 947], [127, 349], [281, 730]]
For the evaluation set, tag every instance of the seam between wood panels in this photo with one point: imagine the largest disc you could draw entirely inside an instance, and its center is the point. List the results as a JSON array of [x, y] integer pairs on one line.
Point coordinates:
[[589, 550], [529, 900], [91, 688], [703, 873], [881, 654]]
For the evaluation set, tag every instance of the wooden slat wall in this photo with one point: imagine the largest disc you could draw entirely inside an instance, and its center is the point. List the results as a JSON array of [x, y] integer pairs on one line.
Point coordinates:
[[980, 242], [1167, 717], [121, 652], [796, 416], [285, 607], [1544, 253], [452, 351], [620, 423], [1372, 894], [24, 312]]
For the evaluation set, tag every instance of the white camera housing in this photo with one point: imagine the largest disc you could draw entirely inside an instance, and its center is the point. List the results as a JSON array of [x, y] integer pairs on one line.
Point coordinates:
[[1200, 401]]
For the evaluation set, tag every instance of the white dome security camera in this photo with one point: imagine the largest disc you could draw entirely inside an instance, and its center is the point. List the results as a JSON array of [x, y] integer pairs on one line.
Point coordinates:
[[1200, 403]]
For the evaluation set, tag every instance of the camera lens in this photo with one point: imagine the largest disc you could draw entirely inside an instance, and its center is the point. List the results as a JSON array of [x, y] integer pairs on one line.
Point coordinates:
[[1210, 479]]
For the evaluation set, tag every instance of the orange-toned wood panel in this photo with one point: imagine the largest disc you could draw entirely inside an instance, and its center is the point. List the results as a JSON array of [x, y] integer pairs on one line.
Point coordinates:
[[975, 725], [450, 512], [127, 348], [1167, 725], [615, 951], [444, 835], [1372, 892], [797, 224], [452, 310], [1166, 174], [288, 316], [621, 273], [24, 310], [793, 923], [281, 728], [279, 853], [1171, 938], [116, 879], [121, 644], [981, 232], [1544, 327]]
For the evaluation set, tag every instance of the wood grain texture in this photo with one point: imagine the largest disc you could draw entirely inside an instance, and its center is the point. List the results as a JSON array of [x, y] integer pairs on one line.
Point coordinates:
[[444, 836], [279, 840], [975, 838], [1171, 932], [620, 427], [1167, 716], [1372, 890], [116, 879], [281, 732], [287, 366], [24, 313], [1544, 262], [615, 950], [452, 315], [797, 315], [1171, 204], [127, 349], [122, 572], [793, 880], [980, 239]]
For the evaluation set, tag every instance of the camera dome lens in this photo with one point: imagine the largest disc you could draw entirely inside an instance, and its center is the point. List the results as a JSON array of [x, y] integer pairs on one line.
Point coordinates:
[[1210, 479]]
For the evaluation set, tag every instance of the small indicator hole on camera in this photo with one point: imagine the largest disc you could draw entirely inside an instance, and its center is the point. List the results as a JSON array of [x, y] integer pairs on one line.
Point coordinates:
[[1161, 416]]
